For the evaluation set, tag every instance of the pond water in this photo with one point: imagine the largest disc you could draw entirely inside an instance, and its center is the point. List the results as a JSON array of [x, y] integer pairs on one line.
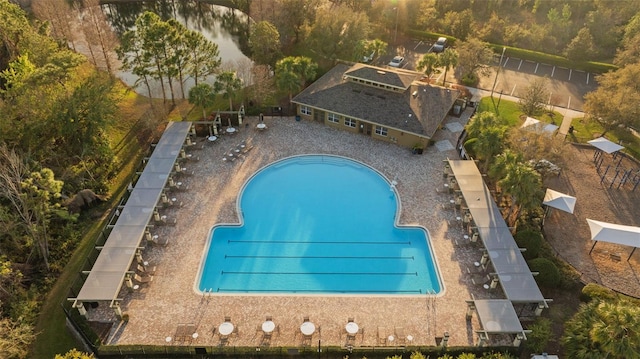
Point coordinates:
[[226, 27]]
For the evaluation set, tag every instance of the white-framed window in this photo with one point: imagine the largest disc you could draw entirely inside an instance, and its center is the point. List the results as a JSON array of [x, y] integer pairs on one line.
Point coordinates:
[[381, 131], [305, 110], [332, 117], [349, 122]]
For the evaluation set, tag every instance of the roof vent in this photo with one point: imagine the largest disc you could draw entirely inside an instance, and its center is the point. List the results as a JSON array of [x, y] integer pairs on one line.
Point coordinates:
[[381, 72], [415, 94]]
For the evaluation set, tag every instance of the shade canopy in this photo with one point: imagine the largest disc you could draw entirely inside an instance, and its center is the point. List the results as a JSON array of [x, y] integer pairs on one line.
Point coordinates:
[[559, 200], [511, 269], [497, 316], [536, 125], [614, 233], [110, 269], [605, 145]]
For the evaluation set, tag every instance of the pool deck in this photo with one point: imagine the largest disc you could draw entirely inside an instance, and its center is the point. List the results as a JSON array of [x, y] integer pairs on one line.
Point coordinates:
[[156, 310]]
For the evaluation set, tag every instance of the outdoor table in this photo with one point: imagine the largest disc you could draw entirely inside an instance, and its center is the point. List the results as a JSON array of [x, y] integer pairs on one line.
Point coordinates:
[[352, 328], [212, 138], [225, 328], [268, 326], [307, 328], [231, 130], [261, 126]]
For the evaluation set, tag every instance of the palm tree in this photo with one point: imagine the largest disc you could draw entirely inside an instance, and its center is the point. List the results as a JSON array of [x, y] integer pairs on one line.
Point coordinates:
[[227, 83], [428, 64], [523, 185], [603, 330], [447, 59], [202, 95], [292, 73]]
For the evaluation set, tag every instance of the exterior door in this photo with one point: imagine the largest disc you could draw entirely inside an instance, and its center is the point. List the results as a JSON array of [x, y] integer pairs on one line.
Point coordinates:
[[318, 115]]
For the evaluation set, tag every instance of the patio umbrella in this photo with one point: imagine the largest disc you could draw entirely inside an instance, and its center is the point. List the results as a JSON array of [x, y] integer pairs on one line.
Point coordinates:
[[559, 200], [605, 145], [614, 233], [536, 125]]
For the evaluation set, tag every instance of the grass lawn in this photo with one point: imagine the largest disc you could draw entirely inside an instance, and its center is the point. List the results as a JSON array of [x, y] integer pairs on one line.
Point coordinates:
[[585, 130], [511, 112]]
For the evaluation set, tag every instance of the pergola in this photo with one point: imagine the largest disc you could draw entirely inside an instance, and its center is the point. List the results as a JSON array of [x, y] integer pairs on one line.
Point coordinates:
[[500, 249], [496, 317], [124, 243]]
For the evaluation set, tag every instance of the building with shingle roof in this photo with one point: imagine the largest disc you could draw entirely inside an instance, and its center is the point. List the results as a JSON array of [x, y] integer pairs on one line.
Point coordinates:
[[392, 105]]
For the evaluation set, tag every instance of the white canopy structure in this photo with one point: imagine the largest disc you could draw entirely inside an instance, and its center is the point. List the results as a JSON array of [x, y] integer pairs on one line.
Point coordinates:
[[614, 233], [605, 145], [532, 123], [559, 200]]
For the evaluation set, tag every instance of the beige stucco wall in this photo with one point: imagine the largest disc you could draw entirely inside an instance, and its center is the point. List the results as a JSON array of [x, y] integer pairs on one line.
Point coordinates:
[[399, 137]]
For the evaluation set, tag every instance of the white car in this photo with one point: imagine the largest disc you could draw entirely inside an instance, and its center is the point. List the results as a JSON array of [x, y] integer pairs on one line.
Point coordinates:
[[397, 61], [440, 44]]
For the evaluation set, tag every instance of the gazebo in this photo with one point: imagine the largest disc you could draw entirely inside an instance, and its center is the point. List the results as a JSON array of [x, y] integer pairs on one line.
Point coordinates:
[[614, 233]]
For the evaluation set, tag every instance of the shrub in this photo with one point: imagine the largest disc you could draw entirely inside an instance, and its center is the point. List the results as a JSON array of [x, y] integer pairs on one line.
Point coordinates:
[[540, 335], [549, 275], [594, 291], [531, 240], [470, 80]]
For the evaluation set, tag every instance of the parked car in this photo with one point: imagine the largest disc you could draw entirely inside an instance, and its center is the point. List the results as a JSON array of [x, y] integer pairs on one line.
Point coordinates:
[[397, 61], [368, 58], [440, 44]]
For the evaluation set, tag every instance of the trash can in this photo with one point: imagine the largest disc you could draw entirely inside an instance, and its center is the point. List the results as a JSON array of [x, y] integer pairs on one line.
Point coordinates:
[[297, 118]]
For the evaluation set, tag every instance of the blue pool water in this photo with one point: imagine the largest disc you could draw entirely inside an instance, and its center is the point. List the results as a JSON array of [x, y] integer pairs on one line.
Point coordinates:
[[318, 224]]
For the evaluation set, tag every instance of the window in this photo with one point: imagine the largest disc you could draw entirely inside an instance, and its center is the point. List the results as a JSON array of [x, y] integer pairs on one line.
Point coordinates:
[[305, 110], [349, 122], [332, 117], [382, 131]]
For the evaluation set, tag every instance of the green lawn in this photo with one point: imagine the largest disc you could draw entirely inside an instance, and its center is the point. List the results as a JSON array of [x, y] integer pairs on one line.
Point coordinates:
[[510, 111], [585, 130]]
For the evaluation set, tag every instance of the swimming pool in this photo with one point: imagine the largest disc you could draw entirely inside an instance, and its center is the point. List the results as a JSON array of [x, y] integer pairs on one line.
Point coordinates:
[[318, 224]]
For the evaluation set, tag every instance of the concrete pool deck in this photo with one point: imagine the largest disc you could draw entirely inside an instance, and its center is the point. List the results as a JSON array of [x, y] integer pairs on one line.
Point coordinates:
[[157, 308]]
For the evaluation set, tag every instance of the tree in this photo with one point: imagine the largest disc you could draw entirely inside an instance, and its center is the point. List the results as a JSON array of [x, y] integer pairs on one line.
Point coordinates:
[[603, 330], [337, 31], [473, 57], [32, 197], [202, 95], [204, 56], [459, 24], [58, 13], [428, 64], [15, 338], [228, 84], [132, 58], [97, 30], [293, 16], [581, 47], [523, 186], [615, 102], [448, 59], [532, 101], [292, 73], [264, 42]]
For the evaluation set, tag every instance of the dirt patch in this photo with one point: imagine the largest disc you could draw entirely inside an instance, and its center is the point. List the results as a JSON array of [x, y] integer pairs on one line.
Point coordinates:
[[569, 234]]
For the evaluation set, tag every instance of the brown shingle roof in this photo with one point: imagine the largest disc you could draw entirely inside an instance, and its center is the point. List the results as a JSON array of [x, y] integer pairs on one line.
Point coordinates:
[[420, 114]]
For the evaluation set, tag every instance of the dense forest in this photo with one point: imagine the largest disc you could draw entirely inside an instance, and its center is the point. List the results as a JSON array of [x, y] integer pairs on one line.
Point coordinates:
[[58, 108]]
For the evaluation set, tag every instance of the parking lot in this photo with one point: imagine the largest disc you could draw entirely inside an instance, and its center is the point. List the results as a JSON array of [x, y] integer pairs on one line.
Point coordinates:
[[567, 87]]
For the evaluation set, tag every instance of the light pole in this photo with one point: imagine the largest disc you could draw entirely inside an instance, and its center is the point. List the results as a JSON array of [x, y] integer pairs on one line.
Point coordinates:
[[498, 71], [395, 35]]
